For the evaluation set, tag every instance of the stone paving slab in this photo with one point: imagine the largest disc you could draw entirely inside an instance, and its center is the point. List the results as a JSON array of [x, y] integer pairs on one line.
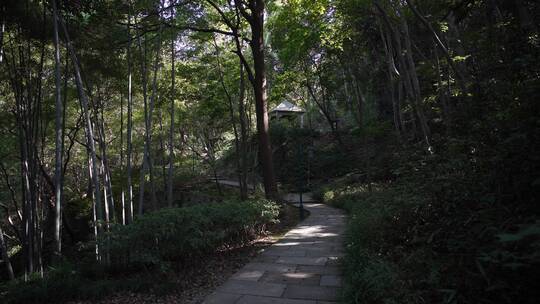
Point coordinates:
[[265, 259], [272, 267], [252, 288], [292, 278], [311, 292], [270, 300], [284, 252], [301, 268], [319, 261], [248, 275], [319, 269], [331, 280], [325, 253]]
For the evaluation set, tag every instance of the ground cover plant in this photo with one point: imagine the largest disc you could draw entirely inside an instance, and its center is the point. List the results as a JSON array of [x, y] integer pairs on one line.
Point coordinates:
[[147, 255]]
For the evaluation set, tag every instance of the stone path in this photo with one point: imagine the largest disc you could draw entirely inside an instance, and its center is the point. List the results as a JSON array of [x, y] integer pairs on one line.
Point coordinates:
[[226, 182], [301, 268]]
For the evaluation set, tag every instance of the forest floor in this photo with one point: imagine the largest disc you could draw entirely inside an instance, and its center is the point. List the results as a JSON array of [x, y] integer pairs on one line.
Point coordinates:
[[191, 285]]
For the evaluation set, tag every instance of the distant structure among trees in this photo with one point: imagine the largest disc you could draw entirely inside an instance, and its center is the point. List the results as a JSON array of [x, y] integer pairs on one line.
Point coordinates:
[[289, 111]]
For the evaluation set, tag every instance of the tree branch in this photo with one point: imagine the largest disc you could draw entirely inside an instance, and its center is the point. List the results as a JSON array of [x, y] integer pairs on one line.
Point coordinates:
[[200, 29], [238, 52], [222, 14], [443, 47], [241, 6]]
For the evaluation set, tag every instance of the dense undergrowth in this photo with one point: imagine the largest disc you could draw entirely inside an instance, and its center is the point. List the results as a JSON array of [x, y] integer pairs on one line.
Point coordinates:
[[144, 255], [184, 234], [458, 226]]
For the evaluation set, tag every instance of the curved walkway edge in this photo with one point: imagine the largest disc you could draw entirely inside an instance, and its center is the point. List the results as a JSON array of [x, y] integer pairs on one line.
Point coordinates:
[[301, 268]]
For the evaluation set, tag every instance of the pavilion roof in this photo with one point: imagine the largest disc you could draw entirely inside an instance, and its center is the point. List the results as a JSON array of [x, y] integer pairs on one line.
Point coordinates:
[[286, 106]]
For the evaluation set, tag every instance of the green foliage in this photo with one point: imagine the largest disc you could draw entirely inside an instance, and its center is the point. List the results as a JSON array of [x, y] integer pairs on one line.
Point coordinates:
[[69, 282], [155, 240], [376, 224], [436, 232], [373, 278], [296, 150], [184, 234], [301, 26], [331, 161], [373, 130]]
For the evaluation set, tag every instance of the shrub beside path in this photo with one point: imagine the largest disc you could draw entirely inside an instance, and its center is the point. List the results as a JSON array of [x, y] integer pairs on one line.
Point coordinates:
[[301, 268]]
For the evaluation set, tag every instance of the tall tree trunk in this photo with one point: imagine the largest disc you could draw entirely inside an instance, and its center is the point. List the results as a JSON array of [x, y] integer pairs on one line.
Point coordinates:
[[28, 215], [416, 84], [407, 71], [171, 127], [26, 113], [243, 135], [149, 110], [67, 154], [245, 118], [58, 138], [106, 202], [360, 99], [122, 190], [347, 91], [2, 30], [150, 161], [94, 210], [209, 145], [259, 90], [144, 73], [459, 74], [107, 183], [392, 74], [41, 177], [416, 114], [233, 122], [162, 152], [89, 133], [129, 211]]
